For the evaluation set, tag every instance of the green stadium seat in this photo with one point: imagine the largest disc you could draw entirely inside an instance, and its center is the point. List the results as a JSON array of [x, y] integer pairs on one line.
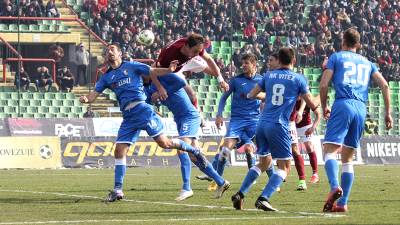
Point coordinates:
[[57, 103], [46, 102], [12, 102], [3, 102], [44, 28], [54, 110], [23, 109], [32, 109], [5, 95], [34, 28], [225, 44], [28, 115], [38, 95], [39, 115], [77, 110], [51, 115], [215, 44], [65, 109], [14, 95], [43, 109], [23, 28], [35, 102], [10, 109], [26, 95], [13, 27], [3, 28], [63, 29]]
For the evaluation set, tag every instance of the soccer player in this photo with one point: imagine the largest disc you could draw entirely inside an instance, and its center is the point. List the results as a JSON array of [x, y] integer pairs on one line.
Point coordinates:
[[305, 131], [183, 50], [125, 80], [244, 115], [351, 74], [282, 87], [187, 119]]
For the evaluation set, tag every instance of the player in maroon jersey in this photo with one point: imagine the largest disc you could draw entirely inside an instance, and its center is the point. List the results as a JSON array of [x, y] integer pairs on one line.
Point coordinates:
[[183, 50]]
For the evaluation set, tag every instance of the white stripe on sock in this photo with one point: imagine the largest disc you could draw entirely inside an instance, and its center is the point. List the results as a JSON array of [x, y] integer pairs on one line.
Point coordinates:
[[281, 173], [256, 169], [329, 156], [347, 167], [120, 161]]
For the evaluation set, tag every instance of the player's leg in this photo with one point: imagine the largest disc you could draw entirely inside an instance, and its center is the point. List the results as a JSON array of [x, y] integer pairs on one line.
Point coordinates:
[[313, 161], [224, 154], [297, 158], [351, 143]]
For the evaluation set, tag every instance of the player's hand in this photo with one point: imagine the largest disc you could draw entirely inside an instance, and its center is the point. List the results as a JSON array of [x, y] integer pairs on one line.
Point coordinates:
[[83, 99], [173, 65], [299, 117], [327, 112], [309, 131], [219, 121], [224, 86], [388, 121], [162, 94], [155, 98]]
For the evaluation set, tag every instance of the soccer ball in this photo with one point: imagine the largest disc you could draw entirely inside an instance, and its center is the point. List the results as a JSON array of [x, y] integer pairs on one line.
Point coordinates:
[[45, 152], [146, 37]]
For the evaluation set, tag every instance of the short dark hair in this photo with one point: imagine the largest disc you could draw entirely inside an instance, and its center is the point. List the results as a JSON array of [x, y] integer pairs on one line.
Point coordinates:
[[249, 56], [351, 37], [275, 55], [116, 44], [286, 55], [195, 39]]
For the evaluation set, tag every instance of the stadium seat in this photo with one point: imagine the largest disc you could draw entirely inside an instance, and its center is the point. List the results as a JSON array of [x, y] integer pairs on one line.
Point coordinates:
[[34, 28], [3, 28], [13, 27]]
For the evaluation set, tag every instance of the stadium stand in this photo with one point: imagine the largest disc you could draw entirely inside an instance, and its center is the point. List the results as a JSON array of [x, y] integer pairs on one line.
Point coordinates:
[[312, 27]]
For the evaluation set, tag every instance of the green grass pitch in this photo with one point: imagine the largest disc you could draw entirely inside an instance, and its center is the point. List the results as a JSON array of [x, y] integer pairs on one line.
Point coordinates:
[[75, 197]]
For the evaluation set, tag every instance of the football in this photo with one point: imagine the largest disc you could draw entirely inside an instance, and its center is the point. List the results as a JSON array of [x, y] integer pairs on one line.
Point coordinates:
[[146, 37], [45, 152]]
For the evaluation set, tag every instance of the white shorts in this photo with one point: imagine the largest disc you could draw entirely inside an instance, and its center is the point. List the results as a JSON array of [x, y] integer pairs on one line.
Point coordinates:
[[302, 134], [293, 132]]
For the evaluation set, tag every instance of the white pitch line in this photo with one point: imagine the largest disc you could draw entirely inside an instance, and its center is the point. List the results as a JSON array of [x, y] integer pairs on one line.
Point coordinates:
[[169, 203], [158, 220]]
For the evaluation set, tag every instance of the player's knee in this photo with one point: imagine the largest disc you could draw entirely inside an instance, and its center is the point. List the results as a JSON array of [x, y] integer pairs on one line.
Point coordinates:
[[120, 150], [249, 148], [164, 143], [224, 153]]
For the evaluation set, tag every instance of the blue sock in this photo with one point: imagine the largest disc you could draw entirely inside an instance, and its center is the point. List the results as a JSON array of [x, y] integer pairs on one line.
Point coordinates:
[[332, 170], [346, 183], [181, 145], [221, 166], [251, 160], [119, 173], [186, 168], [270, 171], [209, 171], [274, 182], [215, 161], [252, 175]]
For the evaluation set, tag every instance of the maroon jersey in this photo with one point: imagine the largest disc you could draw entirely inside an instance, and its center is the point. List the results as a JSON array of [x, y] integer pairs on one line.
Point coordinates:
[[173, 52], [306, 120], [293, 115]]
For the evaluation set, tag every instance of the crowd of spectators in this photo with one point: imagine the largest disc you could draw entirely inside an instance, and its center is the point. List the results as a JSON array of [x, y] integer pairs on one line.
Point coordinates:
[[314, 30], [28, 8]]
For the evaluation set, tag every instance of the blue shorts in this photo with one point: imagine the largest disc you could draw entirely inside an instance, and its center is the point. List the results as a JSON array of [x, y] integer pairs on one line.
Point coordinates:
[[346, 123], [188, 126], [243, 130], [274, 139], [141, 117]]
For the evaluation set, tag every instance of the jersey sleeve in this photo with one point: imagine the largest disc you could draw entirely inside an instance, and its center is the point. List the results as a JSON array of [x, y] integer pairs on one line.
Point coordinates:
[[374, 68], [172, 82], [331, 62], [101, 85], [261, 83], [303, 86], [140, 68]]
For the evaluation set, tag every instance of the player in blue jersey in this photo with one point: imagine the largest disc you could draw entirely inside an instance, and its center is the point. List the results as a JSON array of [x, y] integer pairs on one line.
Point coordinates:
[[187, 120], [281, 87], [125, 80], [244, 116], [350, 74]]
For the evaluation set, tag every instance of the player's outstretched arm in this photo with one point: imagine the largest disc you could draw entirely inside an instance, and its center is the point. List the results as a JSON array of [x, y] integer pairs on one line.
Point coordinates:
[[323, 91], [254, 92], [155, 72], [221, 106], [383, 85], [89, 98], [213, 70], [299, 116]]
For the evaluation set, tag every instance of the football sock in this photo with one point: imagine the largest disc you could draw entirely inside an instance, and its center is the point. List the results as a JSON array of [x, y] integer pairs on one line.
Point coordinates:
[[299, 163], [274, 182], [346, 182], [215, 161], [313, 161], [210, 172], [251, 159], [119, 173], [181, 145], [222, 160], [252, 175], [186, 167], [332, 170], [270, 171]]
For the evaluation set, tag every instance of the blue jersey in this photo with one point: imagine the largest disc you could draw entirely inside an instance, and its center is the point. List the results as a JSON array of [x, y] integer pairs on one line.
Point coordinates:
[[241, 107], [351, 75], [125, 81], [178, 102], [282, 87]]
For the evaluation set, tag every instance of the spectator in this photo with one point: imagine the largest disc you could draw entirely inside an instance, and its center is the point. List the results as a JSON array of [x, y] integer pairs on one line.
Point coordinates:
[[249, 30], [56, 53], [42, 78], [65, 79], [51, 9], [292, 41], [82, 61], [90, 113], [23, 81]]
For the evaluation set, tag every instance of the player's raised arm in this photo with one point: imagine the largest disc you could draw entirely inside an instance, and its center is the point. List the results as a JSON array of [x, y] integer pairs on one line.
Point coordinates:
[[89, 98], [383, 85], [155, 72], [323, 91], [254, 93], [213, 70]]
